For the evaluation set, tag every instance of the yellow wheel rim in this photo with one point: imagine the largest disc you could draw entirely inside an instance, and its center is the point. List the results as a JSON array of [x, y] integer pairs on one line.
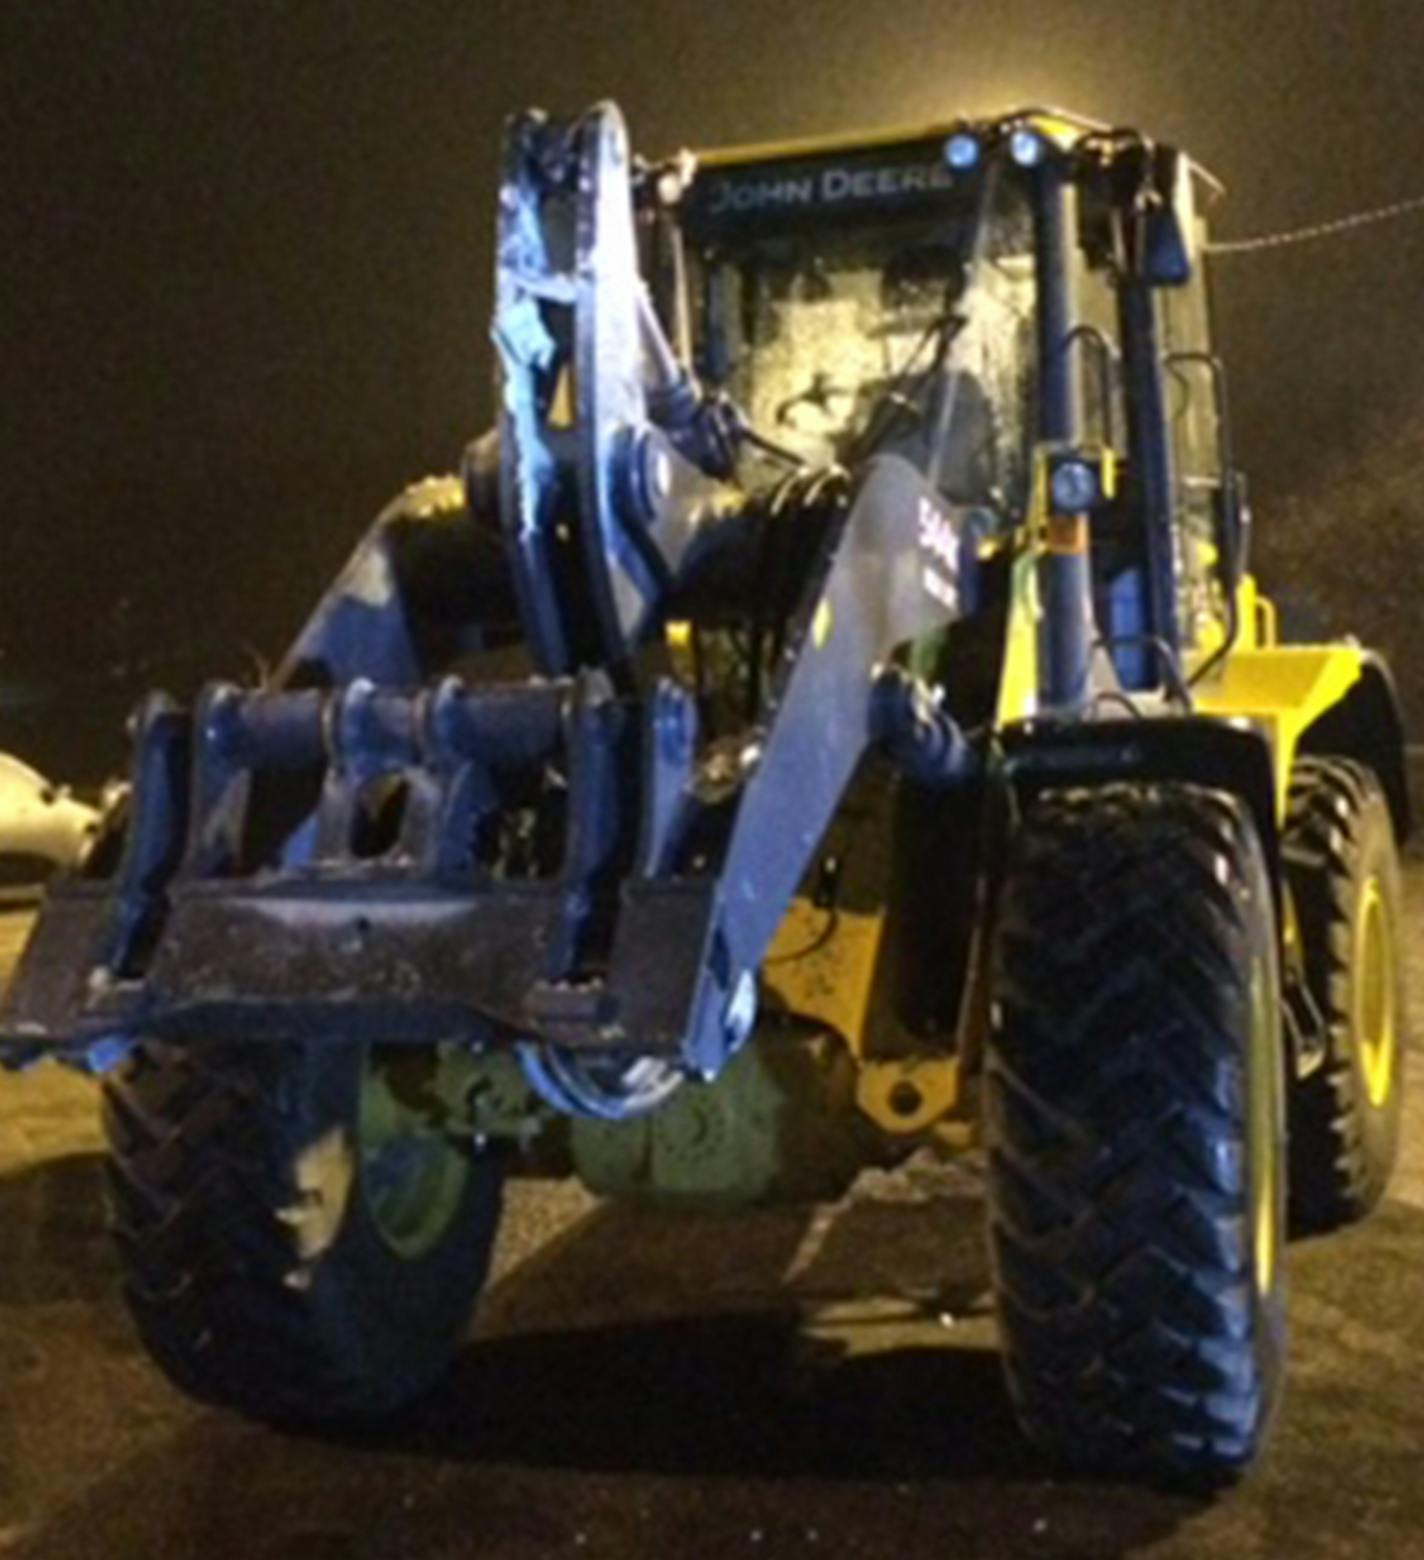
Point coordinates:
[[1264, 1092], [1374, 1008]]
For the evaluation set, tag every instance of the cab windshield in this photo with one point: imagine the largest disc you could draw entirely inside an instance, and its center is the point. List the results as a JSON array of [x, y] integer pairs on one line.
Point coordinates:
[[843, 334]]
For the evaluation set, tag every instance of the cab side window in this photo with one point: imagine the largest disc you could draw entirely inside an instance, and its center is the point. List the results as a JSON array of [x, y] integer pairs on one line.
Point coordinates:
[[1193, 416]]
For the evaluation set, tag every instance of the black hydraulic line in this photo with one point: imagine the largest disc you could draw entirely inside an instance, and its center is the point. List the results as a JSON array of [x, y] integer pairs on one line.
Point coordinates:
[[1053, 212], [1086, 338], [1066, 573], [1150, 455]]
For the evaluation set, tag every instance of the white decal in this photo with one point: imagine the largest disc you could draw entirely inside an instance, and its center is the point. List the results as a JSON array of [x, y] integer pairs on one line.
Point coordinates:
[[940, 588], [938, 538], [727, 195], [833, 185], [883, 183]]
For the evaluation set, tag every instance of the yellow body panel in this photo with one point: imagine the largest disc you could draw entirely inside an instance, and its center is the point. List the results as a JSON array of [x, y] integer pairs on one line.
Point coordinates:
[[821, 966], [1281, 690], [824, 970], [908, 1094], [1018, 680]]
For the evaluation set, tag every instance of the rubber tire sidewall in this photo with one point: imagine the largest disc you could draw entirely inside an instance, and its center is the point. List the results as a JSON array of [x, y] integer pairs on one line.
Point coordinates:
[[1380, 1125], [1331, 1107], [235, 1296], [1145, 1455], [402, 1318]]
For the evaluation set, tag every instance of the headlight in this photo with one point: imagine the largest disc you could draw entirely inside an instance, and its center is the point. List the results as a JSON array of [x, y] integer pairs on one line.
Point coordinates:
[[1027, 147], [1073, 487], [962, 151]]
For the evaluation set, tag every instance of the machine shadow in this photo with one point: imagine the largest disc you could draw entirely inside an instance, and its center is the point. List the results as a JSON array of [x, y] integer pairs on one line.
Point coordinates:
[[715, 1365], [770, 1376], [660, 1343], [722, 1396]]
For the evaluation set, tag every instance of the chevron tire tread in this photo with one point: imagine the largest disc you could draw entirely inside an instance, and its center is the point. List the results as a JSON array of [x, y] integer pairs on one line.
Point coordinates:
[[1134, 1123], [252, 1267], [1344, 1147]]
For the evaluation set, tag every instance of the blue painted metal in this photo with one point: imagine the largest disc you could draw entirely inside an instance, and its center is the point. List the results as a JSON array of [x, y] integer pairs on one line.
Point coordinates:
[[919, 735], [588, 377], [609, 383], [426, 583], [1055, 209], [889, 577], [1066, 578], [1150, 454], [669, 777], [1126, 617], [533, 290], [360, 622]]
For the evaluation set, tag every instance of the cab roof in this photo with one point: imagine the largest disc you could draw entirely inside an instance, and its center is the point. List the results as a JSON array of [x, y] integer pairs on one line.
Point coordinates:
[[1061, 126]]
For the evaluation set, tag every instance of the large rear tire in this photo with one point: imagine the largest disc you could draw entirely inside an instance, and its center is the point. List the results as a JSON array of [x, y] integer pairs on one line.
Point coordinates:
[[1342, 866], [1135, 1129], [300, 1240]]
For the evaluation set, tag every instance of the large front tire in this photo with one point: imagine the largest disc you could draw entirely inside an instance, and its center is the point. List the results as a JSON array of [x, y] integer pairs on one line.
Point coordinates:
[[297, 1243], [1135, 1129]]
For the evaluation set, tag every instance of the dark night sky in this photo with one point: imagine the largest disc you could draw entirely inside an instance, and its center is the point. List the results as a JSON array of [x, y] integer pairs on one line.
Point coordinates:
[[244, 255]]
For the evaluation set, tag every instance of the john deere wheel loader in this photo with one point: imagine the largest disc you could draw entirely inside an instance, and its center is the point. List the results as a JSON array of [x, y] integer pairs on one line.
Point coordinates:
[[830, 713]]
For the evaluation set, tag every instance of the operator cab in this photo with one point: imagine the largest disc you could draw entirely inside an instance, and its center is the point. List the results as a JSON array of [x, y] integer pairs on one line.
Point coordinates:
[[955, 296], [855, 301]]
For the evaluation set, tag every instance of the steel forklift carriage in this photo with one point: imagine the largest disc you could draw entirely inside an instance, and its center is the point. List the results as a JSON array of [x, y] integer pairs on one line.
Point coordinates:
[[830, 712]]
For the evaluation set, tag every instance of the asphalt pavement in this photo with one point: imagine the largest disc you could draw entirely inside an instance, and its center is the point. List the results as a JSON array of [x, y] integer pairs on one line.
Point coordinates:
[[639, 1385]]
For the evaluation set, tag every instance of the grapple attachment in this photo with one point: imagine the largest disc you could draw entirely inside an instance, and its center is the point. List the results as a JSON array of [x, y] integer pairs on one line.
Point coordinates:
[[359, 863]]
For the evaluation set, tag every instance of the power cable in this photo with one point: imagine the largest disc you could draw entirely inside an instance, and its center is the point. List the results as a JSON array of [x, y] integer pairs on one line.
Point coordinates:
[[1317, 230]]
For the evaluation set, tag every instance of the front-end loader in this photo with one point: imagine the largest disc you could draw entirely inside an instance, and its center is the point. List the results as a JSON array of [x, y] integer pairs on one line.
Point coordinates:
[[831, 715]]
